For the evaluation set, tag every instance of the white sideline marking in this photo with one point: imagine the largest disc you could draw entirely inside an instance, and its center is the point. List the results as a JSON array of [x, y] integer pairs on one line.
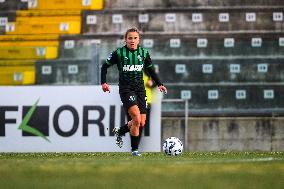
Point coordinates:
[[232, 160]]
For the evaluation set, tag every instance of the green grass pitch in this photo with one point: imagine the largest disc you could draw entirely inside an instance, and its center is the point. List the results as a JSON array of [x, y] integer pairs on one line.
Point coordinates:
[[217, 170]]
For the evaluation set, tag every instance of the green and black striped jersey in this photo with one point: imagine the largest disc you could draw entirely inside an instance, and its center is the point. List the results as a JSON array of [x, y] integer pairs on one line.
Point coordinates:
[[130, 64]]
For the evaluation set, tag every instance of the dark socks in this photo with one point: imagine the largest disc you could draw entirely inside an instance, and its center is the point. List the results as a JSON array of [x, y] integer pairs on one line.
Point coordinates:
[[134, 142], [124, 129], [140, 134]]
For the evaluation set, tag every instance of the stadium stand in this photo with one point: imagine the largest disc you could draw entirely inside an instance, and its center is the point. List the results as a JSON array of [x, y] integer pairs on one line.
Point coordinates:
[[207, 20], [220, 70], [232, 47], [220, 55], [78, 63], [157, 4], [30, 33], [202, 45]]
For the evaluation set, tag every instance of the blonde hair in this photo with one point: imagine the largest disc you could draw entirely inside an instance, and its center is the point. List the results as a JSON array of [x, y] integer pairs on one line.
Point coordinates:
[[133, 29]]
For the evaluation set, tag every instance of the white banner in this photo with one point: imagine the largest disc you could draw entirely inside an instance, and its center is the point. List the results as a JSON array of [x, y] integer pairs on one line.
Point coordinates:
[[68, 119]]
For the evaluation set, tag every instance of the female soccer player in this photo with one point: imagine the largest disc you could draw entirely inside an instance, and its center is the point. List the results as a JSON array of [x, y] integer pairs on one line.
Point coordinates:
[[131, 59]]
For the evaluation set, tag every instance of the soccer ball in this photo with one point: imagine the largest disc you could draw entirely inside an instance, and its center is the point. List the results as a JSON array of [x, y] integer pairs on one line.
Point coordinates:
[[172, 146]]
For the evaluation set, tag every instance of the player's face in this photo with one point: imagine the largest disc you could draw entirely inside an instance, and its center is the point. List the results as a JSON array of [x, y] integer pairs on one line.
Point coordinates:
[[132, 40]]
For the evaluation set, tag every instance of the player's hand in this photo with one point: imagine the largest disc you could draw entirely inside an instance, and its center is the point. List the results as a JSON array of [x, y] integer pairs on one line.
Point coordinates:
[[105, 87], [163, 89], [149, 83]]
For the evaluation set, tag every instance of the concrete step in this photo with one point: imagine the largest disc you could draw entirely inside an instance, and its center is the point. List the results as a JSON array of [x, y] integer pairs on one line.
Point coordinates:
[[122, 4], [13, 5], [185, 45], [226, 97], [66, 72], [191, 21]]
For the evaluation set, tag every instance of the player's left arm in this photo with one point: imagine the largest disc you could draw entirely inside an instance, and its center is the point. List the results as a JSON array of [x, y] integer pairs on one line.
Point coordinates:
[[150, 69]]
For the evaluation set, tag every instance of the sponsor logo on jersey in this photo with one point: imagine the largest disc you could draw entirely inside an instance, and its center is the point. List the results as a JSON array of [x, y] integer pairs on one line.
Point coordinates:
[[139, 57], [132, 68]]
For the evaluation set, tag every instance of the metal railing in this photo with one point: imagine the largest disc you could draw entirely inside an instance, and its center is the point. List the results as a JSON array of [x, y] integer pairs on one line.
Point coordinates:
[[185, 101]]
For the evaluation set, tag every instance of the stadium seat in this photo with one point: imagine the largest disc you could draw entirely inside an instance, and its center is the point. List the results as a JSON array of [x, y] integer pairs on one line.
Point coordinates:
[[28, 43], [45, 25], [76, 48], [26, 52], [43, 37], [47, 13], [77, 63], [221, 70], [206, 71], [226, 97], [29, 49], [32, 29], [219, 54], [66, 4], [33, 41], [17, 75], [71, 72], [122, 4], [17, 63], [185, 21], [201, 46], [9, 5], [2, 30], [7, 16]]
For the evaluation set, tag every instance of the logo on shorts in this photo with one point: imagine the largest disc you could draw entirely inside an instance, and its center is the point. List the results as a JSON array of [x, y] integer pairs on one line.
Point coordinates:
[[132, 98]]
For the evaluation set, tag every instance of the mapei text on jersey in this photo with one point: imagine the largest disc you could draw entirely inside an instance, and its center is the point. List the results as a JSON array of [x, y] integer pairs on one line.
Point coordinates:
[[131, 68]]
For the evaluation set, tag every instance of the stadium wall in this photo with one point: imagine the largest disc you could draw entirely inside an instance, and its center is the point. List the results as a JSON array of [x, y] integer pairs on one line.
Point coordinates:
[[227, 133]]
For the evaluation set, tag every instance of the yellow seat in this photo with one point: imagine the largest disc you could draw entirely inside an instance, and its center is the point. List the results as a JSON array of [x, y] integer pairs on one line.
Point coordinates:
[[24, 52], [17, 63], [44, 37], [70, 27], [43, 12], [46, 19], [67, 4], [45, 25], [17, 75], [29, 43]]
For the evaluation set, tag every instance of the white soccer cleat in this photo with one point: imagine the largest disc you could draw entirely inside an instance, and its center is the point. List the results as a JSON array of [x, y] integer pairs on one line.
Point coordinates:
[[136, 153]]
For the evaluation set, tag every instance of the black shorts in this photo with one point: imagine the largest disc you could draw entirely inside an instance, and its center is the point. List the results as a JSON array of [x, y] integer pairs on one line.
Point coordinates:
[[130, 98]]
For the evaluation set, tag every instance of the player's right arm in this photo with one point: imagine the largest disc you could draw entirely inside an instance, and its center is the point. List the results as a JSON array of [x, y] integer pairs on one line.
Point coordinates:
[[111, 60]]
